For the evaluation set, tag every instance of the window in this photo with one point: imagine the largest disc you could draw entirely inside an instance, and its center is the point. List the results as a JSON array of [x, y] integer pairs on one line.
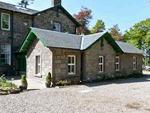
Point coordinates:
[[134, 63], [5, 21], [6, 54], [57, 27], [71, 64], [117, 63], [38, 65], [101, 64]]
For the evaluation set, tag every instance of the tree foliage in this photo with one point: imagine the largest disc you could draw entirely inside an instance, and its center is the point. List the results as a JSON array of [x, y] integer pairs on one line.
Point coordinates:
[[139, 35], [99, 27], [25, 3], [116, 34], [83, 17]]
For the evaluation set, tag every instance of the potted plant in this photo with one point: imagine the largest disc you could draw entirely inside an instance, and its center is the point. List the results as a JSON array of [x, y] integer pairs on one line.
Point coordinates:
[[24, 83], [48, 80]]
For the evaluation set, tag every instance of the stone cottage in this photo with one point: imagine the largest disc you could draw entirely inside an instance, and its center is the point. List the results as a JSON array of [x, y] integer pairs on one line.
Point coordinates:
[[69, 56], [15, 24]]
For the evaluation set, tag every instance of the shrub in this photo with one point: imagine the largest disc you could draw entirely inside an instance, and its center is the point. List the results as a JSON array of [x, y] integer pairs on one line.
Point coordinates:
[[136, 75], [0, 84], [2, 80], [23, 79], [48, 77], [9, 84]]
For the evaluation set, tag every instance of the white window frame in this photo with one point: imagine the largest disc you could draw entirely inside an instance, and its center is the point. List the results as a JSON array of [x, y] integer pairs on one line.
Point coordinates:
[[71, 64], [59, 27], [8, 59], [101, 71], [117, 63], [6, 21], [135, 63], [36, 65]]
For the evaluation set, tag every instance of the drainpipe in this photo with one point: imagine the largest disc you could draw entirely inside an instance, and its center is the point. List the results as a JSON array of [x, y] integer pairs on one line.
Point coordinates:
[[12, 36], [81, 77]]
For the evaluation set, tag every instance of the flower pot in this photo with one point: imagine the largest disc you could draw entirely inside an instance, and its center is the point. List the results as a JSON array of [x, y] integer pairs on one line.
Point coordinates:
[[47, 85], [75, 82], [3, 93]]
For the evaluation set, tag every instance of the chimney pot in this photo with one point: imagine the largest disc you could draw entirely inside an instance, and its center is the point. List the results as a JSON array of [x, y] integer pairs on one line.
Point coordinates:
[[56, 2]]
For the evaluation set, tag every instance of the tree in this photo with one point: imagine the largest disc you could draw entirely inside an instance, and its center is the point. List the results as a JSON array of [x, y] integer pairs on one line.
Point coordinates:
[[139, 35], [99, 27], [25, 3], [116, 35], [83, 17]]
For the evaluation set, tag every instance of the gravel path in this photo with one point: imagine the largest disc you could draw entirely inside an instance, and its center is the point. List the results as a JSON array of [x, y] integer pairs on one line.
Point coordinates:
[[128, 96]]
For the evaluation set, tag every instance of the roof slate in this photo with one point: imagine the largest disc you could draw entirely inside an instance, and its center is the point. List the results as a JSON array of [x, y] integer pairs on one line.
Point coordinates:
[[57, 39], [87, 40], [17, 8], [72, 41], [128, 48]]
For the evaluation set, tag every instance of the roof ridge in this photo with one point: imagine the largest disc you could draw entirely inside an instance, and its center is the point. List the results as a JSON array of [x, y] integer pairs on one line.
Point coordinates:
[[95, 33], [17, 5], [55, 31]]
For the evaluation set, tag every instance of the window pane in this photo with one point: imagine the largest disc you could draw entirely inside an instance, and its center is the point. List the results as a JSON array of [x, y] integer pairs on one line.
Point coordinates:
[[38, 69], [100, 60], [73, 69], [117, 66], [117, 59], [5, 25], [38, 59], [5, 17], [57, 26], [72, 59], [69, 68], [101, 67], [69, 59]]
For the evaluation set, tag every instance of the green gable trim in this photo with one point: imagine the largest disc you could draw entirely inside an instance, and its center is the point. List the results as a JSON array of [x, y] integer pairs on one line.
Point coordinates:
[[110, 41], [63, 10], [28, 40]]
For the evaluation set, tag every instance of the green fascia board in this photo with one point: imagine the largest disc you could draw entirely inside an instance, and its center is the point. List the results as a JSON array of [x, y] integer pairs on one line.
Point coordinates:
[[64, 11], [28, 40], [110, 40]]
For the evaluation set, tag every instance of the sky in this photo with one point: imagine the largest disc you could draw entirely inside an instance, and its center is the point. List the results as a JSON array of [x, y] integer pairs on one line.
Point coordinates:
[[125, 13]]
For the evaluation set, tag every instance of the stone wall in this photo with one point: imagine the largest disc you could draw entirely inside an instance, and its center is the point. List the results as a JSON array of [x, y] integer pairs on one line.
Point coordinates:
[[37, 49], [126, 64], [46, 21], [60, 64], [91, 60]]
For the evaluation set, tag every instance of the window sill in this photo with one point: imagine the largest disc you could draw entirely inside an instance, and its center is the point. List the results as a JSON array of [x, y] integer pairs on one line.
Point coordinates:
[[71, 74], [38, 76], [5, 29]]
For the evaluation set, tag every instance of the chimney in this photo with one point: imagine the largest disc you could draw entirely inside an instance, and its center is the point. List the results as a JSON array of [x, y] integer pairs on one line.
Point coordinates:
[[56, 2]]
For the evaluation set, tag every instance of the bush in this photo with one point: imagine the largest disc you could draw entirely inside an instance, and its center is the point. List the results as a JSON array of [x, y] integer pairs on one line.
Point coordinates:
[[9, 84], [23, 79], [2, 80], [48, 77], [136, 75]]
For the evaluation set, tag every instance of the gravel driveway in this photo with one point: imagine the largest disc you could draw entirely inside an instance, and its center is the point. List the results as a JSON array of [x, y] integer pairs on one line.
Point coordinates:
[[128, 96]]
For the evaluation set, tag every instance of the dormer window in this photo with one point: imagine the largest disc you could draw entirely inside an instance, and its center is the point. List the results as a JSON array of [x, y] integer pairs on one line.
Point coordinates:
[[57, 27], [5, 21]]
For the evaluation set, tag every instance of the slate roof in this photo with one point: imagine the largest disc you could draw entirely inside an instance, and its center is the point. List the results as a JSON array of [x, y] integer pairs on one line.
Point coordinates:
[[72, 41], [58, 39], [128, 48], [87, 40], [17, 8]]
